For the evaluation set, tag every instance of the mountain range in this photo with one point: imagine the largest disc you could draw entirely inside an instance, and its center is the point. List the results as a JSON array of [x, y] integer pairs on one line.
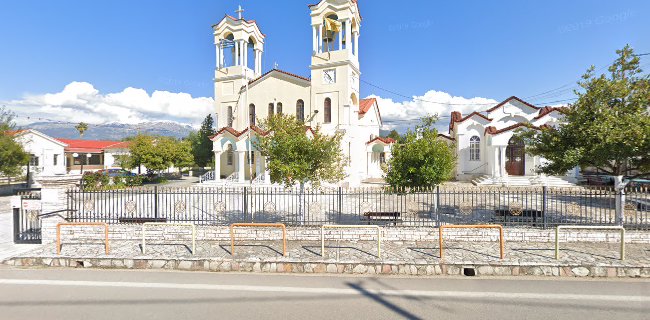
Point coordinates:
[[112, 131]]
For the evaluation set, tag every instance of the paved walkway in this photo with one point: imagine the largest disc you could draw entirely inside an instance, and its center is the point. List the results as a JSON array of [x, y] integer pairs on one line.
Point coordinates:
[[7, 246]]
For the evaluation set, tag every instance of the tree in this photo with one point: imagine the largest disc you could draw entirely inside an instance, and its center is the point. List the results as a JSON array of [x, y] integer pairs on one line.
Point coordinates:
[[179, 153], [12, 155], [82, 127], [420, 159], [297, 157], [607, 128], [201, 144], [393, 134]]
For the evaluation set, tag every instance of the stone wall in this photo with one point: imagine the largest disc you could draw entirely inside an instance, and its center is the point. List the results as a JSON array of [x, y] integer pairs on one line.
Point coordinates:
[[222, 233]]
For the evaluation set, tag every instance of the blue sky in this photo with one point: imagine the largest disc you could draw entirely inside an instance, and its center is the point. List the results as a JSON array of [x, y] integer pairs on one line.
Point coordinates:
[[488, 49]]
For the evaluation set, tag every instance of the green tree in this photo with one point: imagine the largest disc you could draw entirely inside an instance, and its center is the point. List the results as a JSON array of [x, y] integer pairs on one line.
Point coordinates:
[[394, 135], [297, 157], [12, 155], [201, 144], [82, 127], [420, 159], [607, 128], [179, 153]]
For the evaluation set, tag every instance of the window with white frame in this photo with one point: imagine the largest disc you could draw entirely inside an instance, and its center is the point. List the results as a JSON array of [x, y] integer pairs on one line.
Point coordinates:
[[475, 149]]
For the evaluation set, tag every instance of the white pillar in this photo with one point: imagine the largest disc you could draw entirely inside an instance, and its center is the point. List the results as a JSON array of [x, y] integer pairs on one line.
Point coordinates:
[[267, 172], [245, 53], [495, 163], [258, 163], [315, 39], [356, 43], [237, 53], [340, 35], [502, 162], [218, 56], [241, 165], [217, 166], [348, 36], [320, 38]]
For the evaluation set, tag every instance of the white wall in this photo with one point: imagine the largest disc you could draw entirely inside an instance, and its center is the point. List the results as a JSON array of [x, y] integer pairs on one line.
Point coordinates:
[[46, 150]]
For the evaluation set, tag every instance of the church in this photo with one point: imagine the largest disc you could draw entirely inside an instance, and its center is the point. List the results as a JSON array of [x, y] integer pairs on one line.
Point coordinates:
[[329, 99], [489, 153]]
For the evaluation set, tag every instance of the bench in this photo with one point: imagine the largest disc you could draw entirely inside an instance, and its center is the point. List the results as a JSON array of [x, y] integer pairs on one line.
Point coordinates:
[[528, 213], [393, 217], [142, 220]]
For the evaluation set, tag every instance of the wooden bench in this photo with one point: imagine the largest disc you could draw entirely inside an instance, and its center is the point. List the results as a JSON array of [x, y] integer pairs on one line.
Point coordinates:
[[528, 213], [393, 217]]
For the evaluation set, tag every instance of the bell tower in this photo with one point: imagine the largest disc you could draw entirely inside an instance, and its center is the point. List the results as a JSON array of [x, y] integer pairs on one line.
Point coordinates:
[[239, 47], [335, 67]]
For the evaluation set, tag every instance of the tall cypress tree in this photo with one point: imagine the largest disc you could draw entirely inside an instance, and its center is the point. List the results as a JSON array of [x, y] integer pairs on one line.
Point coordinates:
[[201, 143]]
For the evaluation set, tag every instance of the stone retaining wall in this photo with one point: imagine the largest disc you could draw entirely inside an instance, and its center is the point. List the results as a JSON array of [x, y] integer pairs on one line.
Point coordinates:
[[222, 233], [407, 269]]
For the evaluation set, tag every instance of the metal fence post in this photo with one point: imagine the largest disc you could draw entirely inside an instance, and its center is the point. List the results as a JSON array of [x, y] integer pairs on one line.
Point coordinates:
[[16, 224], [245, 204], [544, 196], [155, 194], [340, 203], [437, 205]]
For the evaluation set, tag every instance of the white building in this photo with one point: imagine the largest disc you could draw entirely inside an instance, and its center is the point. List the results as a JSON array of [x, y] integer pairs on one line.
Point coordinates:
[[47, 153], [329, 99], [489, 154]]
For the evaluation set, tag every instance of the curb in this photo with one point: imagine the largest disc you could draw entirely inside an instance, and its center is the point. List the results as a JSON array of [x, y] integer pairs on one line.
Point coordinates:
[[346, 268]]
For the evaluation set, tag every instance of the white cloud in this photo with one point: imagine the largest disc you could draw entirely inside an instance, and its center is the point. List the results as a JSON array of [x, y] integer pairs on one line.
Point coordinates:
[[404, 115], [80, 101]]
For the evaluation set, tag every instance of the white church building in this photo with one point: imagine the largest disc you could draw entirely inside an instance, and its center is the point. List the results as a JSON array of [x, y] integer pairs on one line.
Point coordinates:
[[490, 154], [329, 99]]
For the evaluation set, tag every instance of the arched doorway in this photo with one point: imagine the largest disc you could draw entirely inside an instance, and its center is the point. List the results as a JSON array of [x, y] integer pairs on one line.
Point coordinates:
[[516, 157]]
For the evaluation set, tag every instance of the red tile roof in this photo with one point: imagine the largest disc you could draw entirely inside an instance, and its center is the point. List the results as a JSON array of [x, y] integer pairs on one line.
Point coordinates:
[[256, 129], [93, 146], [493, 131], [365, 105], [546, 110], [384, 140], [458, 117], [510, 99], [14, 132]]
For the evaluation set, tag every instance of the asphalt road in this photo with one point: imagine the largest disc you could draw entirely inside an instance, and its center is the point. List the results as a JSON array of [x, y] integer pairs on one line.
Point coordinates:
[[95, 294]]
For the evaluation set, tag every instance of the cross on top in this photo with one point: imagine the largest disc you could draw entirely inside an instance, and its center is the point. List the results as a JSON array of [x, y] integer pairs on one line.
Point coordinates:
[[239, 12]]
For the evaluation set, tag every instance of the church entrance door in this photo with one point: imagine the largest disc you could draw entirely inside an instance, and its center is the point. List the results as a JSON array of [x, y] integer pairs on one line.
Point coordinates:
[[516, 157]]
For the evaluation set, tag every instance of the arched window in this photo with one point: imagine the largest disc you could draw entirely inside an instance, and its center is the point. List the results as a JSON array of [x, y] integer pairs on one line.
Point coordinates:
[[229, 155], [475, 149], [328, 111], [300, 111], [270, 110], [251, 114], [279, 107], [229, 117]]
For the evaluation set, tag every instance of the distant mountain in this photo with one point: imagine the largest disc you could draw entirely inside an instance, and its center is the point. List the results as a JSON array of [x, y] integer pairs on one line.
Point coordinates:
[[112, 131]]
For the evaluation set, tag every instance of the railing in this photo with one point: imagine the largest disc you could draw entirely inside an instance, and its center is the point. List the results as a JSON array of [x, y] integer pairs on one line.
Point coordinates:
[[322, 236], [619, 228], [208, 176], [542, 207], [475, 169], [88, 224], [234, 177]]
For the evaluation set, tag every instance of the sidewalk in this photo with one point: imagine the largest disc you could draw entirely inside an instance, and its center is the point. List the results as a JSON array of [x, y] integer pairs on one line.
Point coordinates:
[[410, 258]]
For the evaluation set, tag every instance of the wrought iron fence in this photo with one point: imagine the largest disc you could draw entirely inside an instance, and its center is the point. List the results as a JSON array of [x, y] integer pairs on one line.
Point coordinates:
[[536, 207]]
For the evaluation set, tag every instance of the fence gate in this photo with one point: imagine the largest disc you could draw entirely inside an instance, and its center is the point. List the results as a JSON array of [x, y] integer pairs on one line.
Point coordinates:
[[27, 217]]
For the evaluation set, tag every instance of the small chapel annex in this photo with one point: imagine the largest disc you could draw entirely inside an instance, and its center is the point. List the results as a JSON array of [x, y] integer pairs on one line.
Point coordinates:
[[488, 151], [329, 99]]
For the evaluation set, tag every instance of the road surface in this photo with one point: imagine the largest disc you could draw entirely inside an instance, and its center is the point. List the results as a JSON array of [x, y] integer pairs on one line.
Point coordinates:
[[97, 294]]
